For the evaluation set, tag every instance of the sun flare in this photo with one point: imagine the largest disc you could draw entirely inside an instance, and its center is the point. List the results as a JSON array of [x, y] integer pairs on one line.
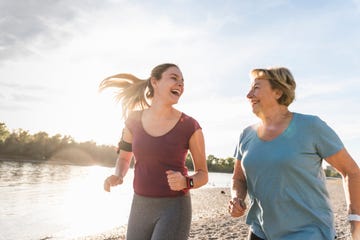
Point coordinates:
[[89, 209]]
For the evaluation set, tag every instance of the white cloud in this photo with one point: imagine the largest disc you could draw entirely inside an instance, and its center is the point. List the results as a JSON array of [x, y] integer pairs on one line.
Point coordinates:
[[31, 26]]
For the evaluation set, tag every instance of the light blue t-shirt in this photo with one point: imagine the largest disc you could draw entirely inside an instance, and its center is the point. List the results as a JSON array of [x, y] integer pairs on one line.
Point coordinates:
[[285, 180]]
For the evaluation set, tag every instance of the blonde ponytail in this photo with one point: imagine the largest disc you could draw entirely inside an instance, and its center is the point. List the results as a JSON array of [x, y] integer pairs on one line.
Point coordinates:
[[134, 93], [131, 93]]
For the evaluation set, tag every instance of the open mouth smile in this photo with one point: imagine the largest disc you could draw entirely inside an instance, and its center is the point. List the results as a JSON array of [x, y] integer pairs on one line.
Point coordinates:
[[176, 92]]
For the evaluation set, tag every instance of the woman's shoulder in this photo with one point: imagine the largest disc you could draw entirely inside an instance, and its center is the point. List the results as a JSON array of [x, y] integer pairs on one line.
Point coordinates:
[[186, 116], [188, 120], [250, 129], [305, 117], [309, 121], [133, 116]]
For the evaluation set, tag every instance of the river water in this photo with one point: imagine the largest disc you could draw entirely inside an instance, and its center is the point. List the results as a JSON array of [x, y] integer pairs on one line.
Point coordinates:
[[47, 201]]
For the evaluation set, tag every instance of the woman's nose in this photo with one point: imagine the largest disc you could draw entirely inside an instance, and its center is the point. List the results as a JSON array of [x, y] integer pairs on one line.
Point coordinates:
[[180, 82]]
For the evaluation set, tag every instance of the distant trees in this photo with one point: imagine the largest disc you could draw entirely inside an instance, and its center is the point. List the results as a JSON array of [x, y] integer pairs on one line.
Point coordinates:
[[22, 146], [331, 172], [214, 164], [4, 132]]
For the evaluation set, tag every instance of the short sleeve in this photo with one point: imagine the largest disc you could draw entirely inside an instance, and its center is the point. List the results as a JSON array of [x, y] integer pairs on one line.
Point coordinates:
[[238, 154], [196, 125], [327, 141], [247, 136]]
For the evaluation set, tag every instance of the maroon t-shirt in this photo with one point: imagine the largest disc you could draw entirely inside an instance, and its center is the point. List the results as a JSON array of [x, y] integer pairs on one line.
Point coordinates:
[[155, 155]]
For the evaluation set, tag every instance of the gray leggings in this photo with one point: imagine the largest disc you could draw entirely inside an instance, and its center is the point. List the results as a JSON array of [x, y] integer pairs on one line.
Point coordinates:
[[159, 218]]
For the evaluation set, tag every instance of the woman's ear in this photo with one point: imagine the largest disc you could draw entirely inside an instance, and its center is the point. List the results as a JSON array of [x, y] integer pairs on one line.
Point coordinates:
[[278, 94], [153, 81]]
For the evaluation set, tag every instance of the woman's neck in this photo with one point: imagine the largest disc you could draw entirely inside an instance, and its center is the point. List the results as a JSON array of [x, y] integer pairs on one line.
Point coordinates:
[[275, 116], [274, 123], [161, 112]]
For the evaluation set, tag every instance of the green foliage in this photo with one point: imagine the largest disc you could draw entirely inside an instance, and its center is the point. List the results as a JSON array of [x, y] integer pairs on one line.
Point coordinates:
[[21, 145], [4, 132], [332, 173], [214, 164]]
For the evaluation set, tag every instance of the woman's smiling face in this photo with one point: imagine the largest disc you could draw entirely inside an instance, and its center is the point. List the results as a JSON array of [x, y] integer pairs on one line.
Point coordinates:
[[262, 96], [171, 85]]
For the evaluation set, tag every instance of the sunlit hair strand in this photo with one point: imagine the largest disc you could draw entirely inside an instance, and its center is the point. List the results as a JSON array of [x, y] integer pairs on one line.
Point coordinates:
[[134, 93]]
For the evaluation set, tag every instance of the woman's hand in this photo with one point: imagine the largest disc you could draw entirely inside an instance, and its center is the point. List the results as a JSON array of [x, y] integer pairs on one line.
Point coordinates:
[[176, 180], [237, 207], [112, 181]]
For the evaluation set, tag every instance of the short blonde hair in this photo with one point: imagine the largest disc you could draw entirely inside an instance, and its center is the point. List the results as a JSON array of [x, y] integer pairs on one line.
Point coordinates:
[[279, 78]]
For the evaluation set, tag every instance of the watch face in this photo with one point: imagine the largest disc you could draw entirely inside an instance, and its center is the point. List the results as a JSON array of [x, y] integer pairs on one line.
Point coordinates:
[[191, 182]]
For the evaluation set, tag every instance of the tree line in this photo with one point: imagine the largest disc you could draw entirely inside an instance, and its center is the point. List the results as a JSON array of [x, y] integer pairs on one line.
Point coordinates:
[[20, 145]]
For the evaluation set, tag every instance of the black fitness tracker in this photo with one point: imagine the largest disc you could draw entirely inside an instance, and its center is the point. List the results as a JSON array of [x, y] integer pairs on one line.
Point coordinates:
[[189, 182]]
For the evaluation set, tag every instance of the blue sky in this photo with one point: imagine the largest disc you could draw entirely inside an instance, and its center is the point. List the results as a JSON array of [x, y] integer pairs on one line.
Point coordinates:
[[53, 55]]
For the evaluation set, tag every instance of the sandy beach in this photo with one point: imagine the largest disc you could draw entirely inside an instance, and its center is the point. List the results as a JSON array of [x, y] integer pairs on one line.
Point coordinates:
[[212, 221]]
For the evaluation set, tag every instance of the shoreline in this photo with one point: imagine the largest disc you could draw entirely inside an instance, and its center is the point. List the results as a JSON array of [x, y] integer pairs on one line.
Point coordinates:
[[210, 219]]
